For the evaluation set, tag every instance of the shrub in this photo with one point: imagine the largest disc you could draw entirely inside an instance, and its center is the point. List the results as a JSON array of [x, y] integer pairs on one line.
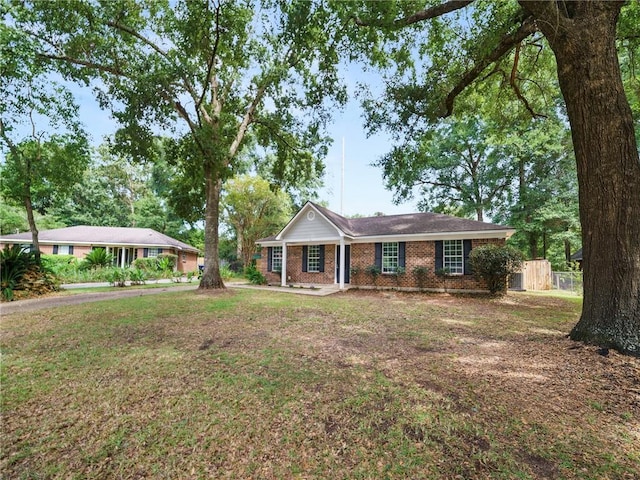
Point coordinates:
[[420, 273], [374, 271], [167, 261], [493, 264], [97, 258], [192, 274], [443, 273], [400, 272], [254, 276], [14, 264], [62, 266], [137, 276], [118, 277], [19, 271], [148, 264], [227, 272]]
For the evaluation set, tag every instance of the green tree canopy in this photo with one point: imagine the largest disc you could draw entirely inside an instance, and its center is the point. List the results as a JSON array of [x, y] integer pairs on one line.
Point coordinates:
[[434, 55], [205, 73], [254, 210]]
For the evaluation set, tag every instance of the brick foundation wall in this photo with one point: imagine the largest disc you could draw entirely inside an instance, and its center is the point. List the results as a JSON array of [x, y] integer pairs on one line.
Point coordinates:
[[417, 254]]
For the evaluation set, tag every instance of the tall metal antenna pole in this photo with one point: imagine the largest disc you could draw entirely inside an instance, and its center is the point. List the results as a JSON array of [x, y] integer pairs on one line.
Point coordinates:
[[342, 182]]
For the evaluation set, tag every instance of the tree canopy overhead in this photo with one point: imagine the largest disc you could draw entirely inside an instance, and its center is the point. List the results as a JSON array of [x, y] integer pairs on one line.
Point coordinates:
[[208, 73], [439, 56], [44, 146]]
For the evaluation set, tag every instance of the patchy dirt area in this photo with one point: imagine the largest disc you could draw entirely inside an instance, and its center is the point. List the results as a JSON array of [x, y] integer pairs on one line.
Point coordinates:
[[361, 384]]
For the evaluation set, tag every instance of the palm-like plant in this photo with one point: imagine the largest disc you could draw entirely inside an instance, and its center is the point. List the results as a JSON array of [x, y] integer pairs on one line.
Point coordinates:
[[97, 258], [15, 262]]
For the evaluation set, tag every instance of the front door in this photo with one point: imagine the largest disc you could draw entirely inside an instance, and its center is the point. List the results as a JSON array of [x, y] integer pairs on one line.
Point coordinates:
[[347, 263]]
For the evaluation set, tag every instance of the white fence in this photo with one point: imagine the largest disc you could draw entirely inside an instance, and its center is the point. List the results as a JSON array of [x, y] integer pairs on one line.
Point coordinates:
[[567, 282]]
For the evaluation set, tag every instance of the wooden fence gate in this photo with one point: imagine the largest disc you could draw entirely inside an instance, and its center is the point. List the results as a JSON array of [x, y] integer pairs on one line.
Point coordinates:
[[535, 275]]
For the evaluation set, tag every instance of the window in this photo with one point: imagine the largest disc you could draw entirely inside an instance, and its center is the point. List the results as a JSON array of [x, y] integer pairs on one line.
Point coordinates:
[[153, 252], [313, 258], [26, 247], [453, 256], [62, 250], [184, 257], [389, 257], [276, 259]]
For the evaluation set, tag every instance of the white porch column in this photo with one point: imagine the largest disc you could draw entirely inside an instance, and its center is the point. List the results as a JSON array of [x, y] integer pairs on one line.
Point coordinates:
[[284, 265], [123, 253], [342, 262]]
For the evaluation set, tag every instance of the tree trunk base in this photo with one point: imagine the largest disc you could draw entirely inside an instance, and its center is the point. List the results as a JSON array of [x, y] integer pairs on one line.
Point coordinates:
[[625, 342], [211, 284]]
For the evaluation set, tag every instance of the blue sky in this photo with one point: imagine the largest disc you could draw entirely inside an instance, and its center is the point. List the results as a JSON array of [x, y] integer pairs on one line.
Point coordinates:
[[364, 192]]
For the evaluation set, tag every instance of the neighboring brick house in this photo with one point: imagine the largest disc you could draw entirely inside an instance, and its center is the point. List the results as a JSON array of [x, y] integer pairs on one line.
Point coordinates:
[[125, 244], [308, 250]]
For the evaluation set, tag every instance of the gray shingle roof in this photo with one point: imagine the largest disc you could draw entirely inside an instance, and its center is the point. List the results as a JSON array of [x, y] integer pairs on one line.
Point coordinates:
[[406, 224], [89, 235]]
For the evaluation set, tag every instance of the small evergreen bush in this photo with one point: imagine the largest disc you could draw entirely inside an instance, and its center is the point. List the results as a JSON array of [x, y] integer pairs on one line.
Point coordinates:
[[494, 263], [420, 273], [374, 271], [254, 275]]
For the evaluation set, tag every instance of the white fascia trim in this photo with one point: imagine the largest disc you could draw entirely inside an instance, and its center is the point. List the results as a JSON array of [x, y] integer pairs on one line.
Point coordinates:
[[418, 237], [308, 241], [101, 244], [107, 244], [302, 211]]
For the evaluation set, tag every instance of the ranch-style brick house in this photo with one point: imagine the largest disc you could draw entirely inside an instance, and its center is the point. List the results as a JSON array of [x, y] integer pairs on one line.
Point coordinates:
[[125, 244], [308, 250]]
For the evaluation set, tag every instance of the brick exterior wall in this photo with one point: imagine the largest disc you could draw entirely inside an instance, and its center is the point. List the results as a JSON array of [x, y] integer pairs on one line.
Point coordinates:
[[189, 263], [417, 254]]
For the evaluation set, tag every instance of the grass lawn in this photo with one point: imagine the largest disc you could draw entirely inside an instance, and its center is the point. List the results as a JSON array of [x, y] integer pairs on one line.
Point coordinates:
[[258, 384]]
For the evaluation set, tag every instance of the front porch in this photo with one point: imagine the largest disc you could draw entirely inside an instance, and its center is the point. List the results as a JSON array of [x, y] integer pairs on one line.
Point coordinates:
[[305, 265]]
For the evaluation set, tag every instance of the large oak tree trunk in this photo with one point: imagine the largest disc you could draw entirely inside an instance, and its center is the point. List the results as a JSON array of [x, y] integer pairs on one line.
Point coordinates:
[[608, 172], [211, 276]]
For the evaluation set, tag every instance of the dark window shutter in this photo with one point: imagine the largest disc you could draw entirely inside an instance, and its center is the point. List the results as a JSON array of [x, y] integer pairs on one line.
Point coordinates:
[[269, 258], [145, 252], [439, 255], [466, 247], [321, 258], [402, 248], [378, 257], [305, 255], [55, 249], [70, 249], [159, 251]]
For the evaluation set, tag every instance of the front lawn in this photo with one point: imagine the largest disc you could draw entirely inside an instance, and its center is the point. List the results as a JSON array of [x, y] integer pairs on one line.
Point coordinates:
[[259, 384]]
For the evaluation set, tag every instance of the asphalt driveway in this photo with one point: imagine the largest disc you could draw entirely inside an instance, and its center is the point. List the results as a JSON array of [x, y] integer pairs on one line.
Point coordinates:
[[7, 308]]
